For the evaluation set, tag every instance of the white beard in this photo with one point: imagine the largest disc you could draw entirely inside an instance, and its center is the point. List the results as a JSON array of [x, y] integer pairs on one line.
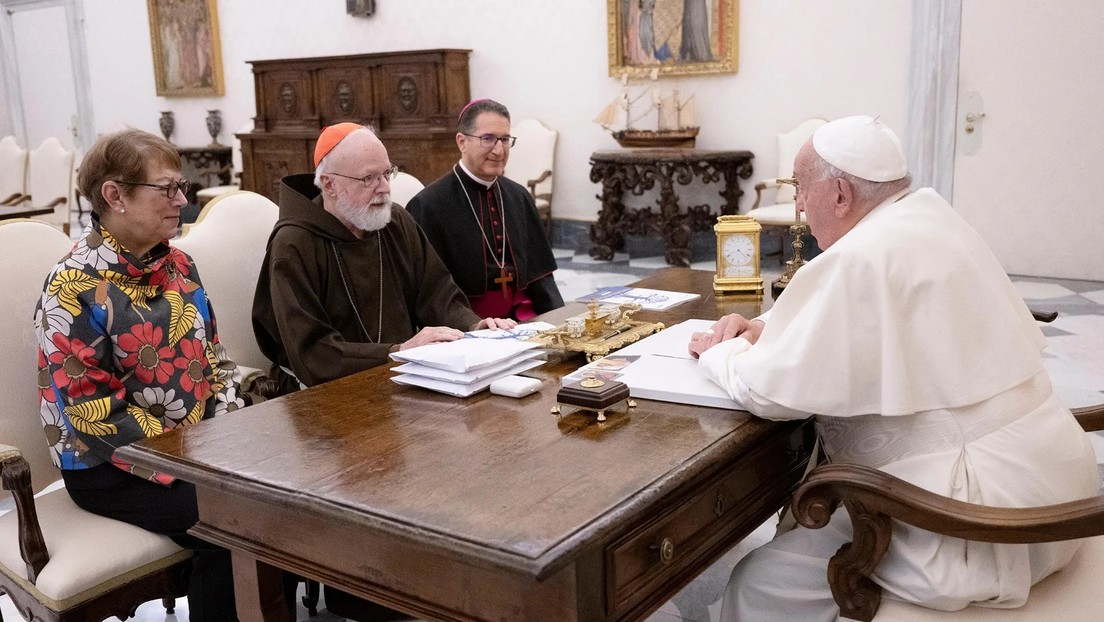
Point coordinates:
[[369, 217]]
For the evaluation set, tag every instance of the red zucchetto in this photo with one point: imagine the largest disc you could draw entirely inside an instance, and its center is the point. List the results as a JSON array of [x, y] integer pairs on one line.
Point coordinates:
[[331, 136]]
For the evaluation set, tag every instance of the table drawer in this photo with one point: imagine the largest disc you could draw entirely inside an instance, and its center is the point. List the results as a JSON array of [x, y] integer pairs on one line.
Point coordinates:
[[708, 520]]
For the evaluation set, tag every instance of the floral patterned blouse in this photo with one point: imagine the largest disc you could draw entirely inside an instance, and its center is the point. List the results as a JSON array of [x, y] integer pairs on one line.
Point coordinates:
[[127, 350]]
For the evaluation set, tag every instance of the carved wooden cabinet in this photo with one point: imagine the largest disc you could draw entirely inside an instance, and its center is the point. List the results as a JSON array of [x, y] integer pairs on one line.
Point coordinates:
[[410, 98]]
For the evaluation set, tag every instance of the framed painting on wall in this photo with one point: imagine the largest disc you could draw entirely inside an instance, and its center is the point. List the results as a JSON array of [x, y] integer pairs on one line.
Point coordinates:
[[673, 36], [187, 56]]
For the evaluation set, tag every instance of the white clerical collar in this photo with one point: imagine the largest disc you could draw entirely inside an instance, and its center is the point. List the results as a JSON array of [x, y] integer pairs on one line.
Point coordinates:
[[486, 184]]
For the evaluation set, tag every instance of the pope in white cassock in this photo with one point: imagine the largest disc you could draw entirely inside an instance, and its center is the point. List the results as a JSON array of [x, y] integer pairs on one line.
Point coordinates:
[[907, 341]]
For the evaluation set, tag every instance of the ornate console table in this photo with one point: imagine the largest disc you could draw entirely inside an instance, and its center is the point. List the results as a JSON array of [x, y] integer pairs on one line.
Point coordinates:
[[638, 170], [204, 165]]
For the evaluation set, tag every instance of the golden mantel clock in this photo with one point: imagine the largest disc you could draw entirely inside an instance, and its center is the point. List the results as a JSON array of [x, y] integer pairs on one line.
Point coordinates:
[[737, 256]]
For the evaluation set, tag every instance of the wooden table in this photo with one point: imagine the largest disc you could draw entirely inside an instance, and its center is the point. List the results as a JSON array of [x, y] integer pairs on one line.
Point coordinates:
[[486, 508], [637, 170]]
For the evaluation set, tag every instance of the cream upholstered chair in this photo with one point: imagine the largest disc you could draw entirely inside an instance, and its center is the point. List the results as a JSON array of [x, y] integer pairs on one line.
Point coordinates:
[[227, 243], [777, 216], [13, 171], [203, 195], [404, 187], [50, 182], [874, 498], [57, 561], [531, 163]]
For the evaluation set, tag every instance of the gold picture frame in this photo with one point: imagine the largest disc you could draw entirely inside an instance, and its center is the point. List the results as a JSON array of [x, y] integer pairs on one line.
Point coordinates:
[[187, 55], [645, 35]]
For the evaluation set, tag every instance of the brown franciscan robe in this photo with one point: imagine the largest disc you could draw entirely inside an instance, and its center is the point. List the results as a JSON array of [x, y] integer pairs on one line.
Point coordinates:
[[303, 311]]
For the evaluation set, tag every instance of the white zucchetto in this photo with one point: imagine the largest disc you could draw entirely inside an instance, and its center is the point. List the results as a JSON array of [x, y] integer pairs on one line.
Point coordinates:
[[862, 146]]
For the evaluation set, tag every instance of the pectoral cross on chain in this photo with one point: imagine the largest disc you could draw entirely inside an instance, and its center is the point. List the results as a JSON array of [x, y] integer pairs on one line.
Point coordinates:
[[504, 278]]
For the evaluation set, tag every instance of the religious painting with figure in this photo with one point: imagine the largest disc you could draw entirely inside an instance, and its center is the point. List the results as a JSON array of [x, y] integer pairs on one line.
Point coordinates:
[[672, 36], [187, 57]]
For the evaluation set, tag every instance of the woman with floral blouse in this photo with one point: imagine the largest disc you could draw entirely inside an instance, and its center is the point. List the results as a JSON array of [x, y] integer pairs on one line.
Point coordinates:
[[128, 350]]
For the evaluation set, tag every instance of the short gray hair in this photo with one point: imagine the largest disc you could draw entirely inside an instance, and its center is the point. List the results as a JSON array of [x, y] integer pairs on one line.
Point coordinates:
[[867, 193]]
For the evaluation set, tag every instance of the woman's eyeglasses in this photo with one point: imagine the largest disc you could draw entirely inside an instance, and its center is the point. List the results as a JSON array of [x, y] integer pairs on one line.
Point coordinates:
[[169, 189]]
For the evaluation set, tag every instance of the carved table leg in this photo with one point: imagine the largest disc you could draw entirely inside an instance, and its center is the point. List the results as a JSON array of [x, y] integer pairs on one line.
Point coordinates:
[[606, 235], [675, 227], [733, 172], [678, 243]]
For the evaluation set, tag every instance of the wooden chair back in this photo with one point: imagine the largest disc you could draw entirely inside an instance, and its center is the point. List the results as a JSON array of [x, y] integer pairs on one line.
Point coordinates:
[[13, 171], [50, 181]]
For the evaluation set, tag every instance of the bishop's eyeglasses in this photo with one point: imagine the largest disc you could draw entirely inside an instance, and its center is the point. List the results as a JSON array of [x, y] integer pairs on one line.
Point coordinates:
[[169, 189], [488, 140], [371, 180]]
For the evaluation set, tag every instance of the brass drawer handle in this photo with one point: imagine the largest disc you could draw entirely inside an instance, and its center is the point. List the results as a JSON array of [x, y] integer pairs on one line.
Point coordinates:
[[666, 550]]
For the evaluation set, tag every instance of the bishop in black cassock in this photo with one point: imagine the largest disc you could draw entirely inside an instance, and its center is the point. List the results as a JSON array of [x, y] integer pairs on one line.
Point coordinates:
[[473, 225]]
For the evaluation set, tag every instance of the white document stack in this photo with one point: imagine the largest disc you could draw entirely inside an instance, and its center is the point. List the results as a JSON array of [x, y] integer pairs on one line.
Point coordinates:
[[465, 366]]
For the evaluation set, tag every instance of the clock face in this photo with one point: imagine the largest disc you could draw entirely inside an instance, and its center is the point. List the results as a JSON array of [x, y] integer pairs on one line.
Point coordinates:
[[738, 250], [737, 256]]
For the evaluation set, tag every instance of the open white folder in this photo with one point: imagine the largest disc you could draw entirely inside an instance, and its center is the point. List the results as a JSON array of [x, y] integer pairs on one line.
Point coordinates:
[[673, 379], [671, 341]]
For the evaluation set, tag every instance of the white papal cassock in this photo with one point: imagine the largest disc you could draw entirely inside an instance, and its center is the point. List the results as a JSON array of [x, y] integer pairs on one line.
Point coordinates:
[[908, 342]]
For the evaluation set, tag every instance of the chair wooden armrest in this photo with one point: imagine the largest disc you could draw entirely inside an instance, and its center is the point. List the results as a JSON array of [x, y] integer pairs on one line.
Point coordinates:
[[258, 387], [15, 473], [19, 200], [873, 498], [17, 197], [1044, 316], [760, 187], [1091, 418], [532, 183]]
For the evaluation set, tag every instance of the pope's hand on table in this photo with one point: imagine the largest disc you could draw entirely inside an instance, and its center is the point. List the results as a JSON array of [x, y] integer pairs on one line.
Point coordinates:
[[728, 327]]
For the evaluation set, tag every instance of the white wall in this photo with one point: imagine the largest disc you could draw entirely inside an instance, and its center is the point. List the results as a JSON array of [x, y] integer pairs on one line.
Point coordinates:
[[1042, 131], [6, 126], [5, 119], [798, 58]]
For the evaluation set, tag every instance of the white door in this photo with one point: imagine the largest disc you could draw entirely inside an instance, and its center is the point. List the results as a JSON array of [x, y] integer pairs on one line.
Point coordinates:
[[1030, 177], [45, 75], [46, 71]]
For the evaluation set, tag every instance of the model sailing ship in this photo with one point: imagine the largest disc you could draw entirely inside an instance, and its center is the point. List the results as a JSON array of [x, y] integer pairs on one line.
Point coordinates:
[[676, 122]]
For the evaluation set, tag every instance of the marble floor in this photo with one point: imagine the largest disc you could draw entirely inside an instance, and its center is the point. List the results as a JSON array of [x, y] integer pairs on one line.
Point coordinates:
[[1074, 357]]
